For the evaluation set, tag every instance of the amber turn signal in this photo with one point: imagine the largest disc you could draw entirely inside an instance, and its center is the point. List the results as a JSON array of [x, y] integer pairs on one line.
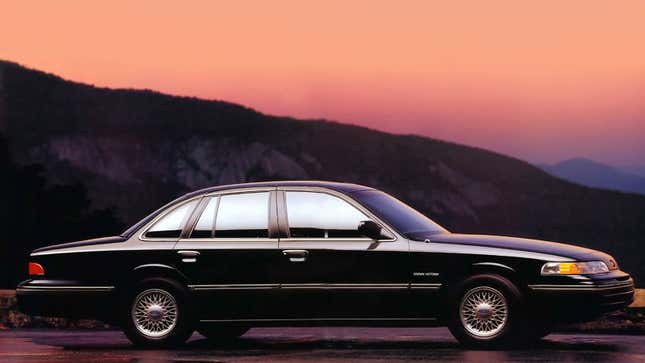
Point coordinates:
[[574, 268], [35, 269]]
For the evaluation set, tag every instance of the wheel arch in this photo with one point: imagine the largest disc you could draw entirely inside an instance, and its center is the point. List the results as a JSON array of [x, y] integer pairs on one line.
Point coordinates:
[[151, 270], [497, 268], [452, 288]]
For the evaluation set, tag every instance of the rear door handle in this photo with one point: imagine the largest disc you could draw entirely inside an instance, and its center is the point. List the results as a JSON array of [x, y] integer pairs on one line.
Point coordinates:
[[188, 256], [296, 255]]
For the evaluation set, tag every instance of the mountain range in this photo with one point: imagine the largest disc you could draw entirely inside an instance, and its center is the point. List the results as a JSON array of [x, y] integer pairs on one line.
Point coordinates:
[[82, 161], [633, 169], [594, 174]]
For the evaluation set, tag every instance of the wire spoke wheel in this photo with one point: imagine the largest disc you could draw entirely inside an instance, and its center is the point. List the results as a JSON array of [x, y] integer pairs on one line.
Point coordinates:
[[154, 313], [483, 311]]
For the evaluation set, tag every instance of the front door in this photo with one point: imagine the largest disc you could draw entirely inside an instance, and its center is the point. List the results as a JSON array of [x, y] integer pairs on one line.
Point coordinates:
[[230, 255], [328, 269]]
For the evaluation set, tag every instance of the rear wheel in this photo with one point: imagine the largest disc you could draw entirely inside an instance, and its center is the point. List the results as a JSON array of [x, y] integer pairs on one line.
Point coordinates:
[[486, 311], [156, 314]]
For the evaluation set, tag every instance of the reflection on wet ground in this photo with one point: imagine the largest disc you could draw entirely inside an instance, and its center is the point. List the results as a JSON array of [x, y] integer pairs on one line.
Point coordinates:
[[313, 344]]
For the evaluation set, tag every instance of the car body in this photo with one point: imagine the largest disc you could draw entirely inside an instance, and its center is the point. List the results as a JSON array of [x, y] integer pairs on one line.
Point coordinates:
[[315, 253]]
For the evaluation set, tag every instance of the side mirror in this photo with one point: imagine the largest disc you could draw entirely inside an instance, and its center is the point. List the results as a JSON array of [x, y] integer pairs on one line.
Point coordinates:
[[370, 229]]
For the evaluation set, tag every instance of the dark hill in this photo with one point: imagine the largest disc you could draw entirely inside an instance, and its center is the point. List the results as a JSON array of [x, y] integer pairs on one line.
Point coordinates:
[[134, 150]]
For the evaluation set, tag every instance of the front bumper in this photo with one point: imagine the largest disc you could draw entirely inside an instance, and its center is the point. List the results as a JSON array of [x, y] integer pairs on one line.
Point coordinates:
[[581, 300], [62, 298]]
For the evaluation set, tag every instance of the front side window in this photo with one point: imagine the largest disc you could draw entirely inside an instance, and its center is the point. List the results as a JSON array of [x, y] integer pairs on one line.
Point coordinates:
[[243, 216], [321, 215], [171, 225]]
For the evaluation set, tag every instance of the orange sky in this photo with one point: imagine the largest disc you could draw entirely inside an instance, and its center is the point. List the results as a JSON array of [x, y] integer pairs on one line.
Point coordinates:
[[541, 80]]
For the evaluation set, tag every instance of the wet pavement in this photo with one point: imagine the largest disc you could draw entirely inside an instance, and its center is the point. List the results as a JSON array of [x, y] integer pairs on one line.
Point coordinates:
[[313, 345]]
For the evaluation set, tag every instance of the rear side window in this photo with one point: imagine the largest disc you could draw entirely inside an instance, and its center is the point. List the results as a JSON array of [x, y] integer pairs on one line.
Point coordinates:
[[171, 225], [243, 216], [206, 222], [320, 215]]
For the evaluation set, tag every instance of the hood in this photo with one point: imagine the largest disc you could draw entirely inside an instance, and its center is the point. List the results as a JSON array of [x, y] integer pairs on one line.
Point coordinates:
[[87, 242], [521, 244]]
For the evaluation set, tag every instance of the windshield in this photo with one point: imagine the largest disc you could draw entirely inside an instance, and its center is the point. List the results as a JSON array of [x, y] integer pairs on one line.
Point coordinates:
[[405, 219]]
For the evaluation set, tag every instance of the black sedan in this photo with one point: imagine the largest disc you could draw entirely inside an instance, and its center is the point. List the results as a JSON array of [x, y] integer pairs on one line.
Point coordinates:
[[227, 258]]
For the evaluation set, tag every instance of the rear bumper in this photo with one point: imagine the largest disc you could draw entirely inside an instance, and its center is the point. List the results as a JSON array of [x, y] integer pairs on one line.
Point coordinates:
[[55, 298], [581, 301]]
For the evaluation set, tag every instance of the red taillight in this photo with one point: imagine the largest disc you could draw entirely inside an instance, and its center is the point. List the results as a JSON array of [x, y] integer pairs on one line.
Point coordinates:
[[35, 269]]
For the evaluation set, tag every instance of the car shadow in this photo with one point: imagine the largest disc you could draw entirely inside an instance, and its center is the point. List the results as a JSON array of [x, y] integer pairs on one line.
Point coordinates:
[[246, 344], [259, 343]]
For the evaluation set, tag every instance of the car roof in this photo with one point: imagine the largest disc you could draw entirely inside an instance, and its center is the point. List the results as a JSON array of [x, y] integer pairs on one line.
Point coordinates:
[[337, 186], [346, 188]]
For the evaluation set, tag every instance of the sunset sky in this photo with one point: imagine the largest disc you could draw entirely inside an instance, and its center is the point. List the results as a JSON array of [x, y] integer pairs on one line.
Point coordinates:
[[541, 80]]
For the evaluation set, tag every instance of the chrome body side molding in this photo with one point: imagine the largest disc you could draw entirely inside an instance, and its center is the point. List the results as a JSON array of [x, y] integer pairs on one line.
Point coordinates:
[[66, 288], [370, 286]]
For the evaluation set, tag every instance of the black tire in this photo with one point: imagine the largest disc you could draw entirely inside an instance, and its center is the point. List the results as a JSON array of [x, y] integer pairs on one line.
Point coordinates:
[[506, 297], [160, 288], [218, 333]]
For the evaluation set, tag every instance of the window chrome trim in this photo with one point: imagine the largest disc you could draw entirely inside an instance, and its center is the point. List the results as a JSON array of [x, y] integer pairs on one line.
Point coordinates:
[[229, 239], [220, 193], [333, 239]]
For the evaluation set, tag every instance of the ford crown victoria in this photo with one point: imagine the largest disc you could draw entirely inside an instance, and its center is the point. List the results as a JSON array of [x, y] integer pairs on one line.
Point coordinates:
[[227, 258]]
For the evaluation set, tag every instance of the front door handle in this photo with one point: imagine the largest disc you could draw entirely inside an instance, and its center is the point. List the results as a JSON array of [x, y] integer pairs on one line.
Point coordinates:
[[296, 255], [188, 256]]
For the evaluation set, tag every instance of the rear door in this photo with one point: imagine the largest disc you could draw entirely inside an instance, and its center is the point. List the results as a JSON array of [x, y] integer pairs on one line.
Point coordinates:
[[230, 254], [328, 270]]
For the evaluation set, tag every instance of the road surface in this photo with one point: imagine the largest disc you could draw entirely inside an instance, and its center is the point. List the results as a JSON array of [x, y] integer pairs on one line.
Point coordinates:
[[312, 345]]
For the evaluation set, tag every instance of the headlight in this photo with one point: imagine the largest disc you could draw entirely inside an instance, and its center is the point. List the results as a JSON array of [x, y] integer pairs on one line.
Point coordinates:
[[574, 268]]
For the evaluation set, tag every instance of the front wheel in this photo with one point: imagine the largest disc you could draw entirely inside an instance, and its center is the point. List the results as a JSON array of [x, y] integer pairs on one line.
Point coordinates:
[[156, 314], [486, 312]]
